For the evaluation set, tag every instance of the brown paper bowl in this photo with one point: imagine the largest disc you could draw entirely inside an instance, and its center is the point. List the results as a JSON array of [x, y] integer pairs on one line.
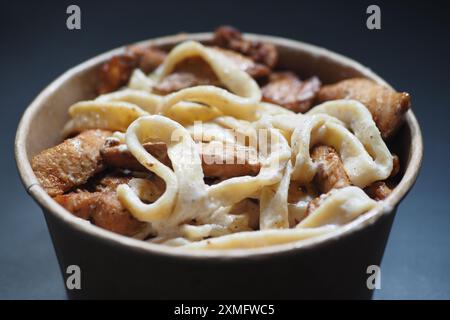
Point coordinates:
[[113, 266]]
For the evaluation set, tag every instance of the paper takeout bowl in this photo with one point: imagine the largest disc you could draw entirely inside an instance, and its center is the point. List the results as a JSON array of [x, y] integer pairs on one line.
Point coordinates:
[[114, 266]]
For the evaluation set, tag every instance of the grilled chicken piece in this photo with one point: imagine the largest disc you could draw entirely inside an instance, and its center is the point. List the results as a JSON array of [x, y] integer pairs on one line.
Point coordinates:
[[71, 163], [79, 203], [287, 90], [229, 160], [109, 214], [217, 161], [386, 105], [190, 72], [116, 72], [103, 209], [118, 156], [230, 38], [148, 58], [378, 190], [254, 69], [330, 172], [181, 80], [110, 182]]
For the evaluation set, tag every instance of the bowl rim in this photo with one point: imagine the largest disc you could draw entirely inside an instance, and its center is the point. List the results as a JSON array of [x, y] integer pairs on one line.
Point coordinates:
[[47, 204]]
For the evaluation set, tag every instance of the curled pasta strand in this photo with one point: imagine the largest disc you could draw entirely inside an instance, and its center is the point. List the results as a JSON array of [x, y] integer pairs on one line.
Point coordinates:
[[233, 190], [223, 100], [236, 80], [359, 120], [145, 100], [184, 185], [242, 129], [139, 81], [252, 239], [240, 102], [184, 112], [218, 225], [196, 103], [266, 108], [339, 207], [356, 149], [196, 233], [188, 210], [108, 115], [211, 131], [288, 123], [274, 212]]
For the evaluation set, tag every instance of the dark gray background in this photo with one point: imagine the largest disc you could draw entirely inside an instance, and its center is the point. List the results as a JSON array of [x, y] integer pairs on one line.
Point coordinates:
[[411, 52]]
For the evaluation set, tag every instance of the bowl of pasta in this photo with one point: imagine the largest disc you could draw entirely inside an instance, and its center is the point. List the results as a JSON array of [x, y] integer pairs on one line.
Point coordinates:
[[219, 165]]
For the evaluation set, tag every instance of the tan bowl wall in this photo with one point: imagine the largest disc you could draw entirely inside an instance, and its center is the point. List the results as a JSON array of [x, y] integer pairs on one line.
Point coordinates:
[[113, 266]]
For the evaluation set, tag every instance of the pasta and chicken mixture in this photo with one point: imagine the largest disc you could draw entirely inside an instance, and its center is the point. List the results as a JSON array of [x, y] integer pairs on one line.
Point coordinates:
[[211, 146]]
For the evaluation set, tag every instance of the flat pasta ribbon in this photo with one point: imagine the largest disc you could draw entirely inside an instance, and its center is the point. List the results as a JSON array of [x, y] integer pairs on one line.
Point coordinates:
[[185, 188], [356, 147], [115, 116], [194, 215]]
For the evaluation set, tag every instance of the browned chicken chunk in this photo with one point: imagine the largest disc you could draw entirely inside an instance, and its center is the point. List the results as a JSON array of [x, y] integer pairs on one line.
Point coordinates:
[[330, 172], [231, 161], [230, 38], [378, 190], [255, 70], [111, 215], [103, 209], [188, 73], [386, 105], [287, 90], [148, 58], [116, 72], [70, 163], [79, 203], [110, 182], [118, 156]]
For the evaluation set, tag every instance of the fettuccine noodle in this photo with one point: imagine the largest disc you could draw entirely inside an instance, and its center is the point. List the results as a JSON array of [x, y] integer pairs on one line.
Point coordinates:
[[194, 215]]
